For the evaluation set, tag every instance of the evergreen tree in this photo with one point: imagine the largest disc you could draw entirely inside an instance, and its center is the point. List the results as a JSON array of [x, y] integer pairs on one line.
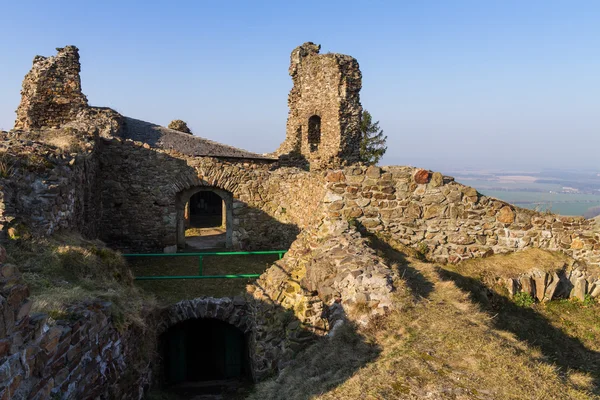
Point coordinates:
[[372, 144]]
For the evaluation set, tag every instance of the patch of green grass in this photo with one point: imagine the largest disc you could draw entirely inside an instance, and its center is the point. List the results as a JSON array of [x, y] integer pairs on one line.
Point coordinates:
[[578, 319], [523, 299]]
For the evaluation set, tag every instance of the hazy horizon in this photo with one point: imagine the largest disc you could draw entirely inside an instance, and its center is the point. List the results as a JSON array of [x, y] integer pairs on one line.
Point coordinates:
[[463, 85]]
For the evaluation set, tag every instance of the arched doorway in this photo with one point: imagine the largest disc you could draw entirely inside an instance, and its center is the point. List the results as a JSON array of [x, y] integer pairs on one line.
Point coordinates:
[[204, 354], [204, 218]]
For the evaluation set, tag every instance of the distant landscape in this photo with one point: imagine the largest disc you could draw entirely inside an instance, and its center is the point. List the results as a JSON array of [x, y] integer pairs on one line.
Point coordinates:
[[559, 191]]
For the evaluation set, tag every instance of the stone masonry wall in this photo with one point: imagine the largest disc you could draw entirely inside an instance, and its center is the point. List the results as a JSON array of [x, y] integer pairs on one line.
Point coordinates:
[[329, 274], [140, 185], [450, 221], [44, 189], [51, 93], [82, 357], [326, 86]]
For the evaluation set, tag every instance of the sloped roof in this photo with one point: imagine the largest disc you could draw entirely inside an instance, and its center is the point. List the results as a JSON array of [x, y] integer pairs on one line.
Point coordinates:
[[185, 143]]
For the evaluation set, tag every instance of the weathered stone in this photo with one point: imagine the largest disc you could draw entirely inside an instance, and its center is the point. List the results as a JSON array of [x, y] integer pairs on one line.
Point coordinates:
[[552, 284], [461, 239], [51, 94], [506, 215], [373, 172], [527, 285], [580, 288], [434, 211], [540, 279], [437, 180], [335, 176], [577, 244], [422, 176]]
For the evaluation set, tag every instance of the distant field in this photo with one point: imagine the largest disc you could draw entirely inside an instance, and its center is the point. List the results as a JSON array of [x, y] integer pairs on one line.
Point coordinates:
[[482, 184], [535, 196], [559, 203]]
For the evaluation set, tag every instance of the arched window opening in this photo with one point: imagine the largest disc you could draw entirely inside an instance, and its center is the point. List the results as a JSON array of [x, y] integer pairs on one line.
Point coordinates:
[[204, 218], [314, 132], [203, 350]]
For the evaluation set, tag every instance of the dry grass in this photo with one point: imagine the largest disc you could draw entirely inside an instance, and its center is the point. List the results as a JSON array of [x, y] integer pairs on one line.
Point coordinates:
[[66, 269], [67, 139], [512, 264], [7, 166], [444, 342]]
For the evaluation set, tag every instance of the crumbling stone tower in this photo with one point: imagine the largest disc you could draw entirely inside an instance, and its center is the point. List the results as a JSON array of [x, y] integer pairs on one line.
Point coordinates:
[[51, 93], [323, 125]]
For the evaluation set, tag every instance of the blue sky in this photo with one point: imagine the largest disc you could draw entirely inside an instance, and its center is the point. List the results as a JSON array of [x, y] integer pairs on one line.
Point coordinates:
[[496, 84]]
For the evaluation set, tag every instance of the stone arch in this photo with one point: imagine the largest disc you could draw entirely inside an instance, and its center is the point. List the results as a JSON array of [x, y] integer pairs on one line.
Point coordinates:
[[182, 199], [232, 311]]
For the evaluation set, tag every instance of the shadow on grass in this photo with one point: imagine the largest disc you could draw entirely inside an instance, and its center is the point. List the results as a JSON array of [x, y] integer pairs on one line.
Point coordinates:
[[558, 348]]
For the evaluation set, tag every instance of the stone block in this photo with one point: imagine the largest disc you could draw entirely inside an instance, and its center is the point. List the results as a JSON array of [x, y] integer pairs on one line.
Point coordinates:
[[580, 288]]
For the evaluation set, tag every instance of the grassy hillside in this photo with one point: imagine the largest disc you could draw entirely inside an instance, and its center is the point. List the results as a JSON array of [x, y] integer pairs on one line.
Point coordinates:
[[67, 269], [452, 338]]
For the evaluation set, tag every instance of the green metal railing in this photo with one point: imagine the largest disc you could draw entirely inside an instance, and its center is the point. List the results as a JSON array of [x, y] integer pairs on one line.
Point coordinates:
[[200, 264]]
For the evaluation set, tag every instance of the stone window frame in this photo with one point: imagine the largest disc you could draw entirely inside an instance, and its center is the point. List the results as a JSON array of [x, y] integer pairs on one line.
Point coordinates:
[[183, 197]]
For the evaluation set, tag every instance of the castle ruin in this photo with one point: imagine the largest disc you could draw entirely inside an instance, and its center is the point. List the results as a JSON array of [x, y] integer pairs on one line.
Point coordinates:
[[323, 125], [51, 93], [127, 182]]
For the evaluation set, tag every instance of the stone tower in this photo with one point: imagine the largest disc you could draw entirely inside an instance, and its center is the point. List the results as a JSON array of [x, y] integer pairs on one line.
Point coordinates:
[[323, 125], [51, 93]]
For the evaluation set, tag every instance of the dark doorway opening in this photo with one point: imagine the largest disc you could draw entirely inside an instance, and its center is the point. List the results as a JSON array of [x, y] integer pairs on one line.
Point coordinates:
[[201, 350], [205, 210], [314, 132]]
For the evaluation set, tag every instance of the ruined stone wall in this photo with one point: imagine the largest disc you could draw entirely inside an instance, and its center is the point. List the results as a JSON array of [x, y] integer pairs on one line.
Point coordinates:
[[328, 276], [51, 94], [45, 189], [326, 86], [83, 356], [140, 185], [450, 221]]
